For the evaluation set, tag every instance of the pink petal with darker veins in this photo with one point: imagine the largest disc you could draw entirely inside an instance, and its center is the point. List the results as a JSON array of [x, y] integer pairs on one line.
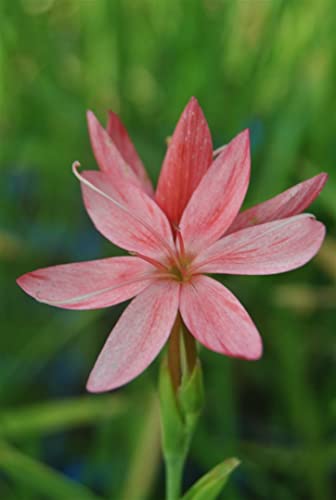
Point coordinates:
[[218, 320], [108, 156], [88, 285], [122, 141], [188, 157], [293, 201], [126, 215], [218, 198], [270, 248], [137, 338]]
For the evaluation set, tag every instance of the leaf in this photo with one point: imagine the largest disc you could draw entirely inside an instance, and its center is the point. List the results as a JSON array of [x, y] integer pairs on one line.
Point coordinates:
[[42, 478], [51, 417], [212, 483], [146, 457], [40, 347]]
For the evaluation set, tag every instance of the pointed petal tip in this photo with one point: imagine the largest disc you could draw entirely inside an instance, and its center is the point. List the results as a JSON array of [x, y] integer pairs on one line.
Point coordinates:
[[94, 387], [216, 318], [324, 176], [93, 122], [245, 135], [319, 181], [244, 138], [137, 338], [322, 234], [90, 115], [112, 114], [23, 280], [193, 104], [208, 214], [255, 353], [241, 140], [94, 126], [289, 203], [246, 353], [27, 282], [20, 281], [89, 387], [188, 157], [314, 186], [252, 351]]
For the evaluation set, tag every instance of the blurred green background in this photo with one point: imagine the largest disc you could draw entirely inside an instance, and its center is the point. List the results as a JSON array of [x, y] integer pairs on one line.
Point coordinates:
[[269, 65]]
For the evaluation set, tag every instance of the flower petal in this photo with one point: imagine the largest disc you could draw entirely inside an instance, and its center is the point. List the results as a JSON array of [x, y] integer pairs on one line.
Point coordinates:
[[122, 141], [217, 199], [88, 285], [270, 248], [126, 215], [137, 338], [218, 320], [291, 202], [188, 157], [108, 157]]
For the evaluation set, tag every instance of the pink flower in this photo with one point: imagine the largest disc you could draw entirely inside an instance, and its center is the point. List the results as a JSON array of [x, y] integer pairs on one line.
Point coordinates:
[[188, 228]]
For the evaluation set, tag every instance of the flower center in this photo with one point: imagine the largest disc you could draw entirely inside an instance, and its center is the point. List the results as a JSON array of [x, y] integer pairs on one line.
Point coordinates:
[[181, 271], [177, 267]]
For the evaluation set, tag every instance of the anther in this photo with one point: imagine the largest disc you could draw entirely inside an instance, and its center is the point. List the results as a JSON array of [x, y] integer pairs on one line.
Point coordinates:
[[179, 239]]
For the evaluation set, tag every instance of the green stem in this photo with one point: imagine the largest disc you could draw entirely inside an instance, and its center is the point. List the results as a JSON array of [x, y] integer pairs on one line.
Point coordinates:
[[174, 471], [174, 354], [181, 399], [174, 463]]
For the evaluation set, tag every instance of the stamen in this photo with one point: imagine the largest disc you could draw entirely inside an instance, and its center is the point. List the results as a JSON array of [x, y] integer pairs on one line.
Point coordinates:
[[82, 179], [154, 262], [179, 238], [217, 151]]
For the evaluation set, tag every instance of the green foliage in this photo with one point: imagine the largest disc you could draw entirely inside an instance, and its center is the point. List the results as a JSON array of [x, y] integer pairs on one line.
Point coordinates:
[[212, 483], [265, 64], [59, 415], [41, 478]]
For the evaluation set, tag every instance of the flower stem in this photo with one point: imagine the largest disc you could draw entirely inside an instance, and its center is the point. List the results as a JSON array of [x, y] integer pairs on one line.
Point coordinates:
[[174, 356], [174, 462], [181, 400], [174, 471]]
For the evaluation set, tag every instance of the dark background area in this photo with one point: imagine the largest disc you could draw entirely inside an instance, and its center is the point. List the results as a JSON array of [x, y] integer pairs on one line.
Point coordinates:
[[269, 65]]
